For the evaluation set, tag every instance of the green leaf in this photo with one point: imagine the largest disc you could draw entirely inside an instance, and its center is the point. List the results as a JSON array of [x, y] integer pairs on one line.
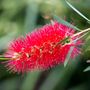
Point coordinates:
[[68, 56], [52, 80], [65, 22], [78, 11], [30, 81], [87, 69], [10, 84]]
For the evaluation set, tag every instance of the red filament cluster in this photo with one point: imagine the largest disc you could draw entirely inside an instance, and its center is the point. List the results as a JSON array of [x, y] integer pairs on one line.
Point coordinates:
[[41, 49]]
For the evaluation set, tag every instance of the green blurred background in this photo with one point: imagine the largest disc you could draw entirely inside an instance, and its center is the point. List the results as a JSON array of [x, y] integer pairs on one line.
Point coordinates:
[[18, 17]]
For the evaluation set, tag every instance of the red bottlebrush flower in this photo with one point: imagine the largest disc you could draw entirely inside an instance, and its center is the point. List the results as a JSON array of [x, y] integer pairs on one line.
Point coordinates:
[[43, 48]]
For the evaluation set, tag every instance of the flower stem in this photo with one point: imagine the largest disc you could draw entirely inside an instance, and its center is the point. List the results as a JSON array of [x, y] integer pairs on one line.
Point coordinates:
[[4, 58], [81, 37], [62, 41], [83, 31]]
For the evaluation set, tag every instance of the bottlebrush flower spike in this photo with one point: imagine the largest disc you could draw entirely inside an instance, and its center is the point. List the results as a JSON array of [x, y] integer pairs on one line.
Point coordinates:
[[42, 49]]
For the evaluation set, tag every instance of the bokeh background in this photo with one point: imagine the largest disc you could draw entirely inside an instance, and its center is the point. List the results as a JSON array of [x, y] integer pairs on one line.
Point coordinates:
[[18, 17]]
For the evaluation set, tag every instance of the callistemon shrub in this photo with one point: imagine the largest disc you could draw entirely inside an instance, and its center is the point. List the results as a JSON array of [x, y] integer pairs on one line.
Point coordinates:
[[43, 48]]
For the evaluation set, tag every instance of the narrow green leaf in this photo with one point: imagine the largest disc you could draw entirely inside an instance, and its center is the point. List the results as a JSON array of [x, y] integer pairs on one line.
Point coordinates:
[[87, 69], [30, 81], [65, 22], [69, 55], [78, 11], [10, 84], [52, 80]]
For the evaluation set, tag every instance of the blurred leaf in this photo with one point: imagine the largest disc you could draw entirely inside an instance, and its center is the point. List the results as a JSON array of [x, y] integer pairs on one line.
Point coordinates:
[[12, 8], [30, 81], [6, 40], [52, 80], [31, 16], [59, 77], [82, 86], [65, 23], [47, 7], [9, 84], [87, 69], [68, 56]]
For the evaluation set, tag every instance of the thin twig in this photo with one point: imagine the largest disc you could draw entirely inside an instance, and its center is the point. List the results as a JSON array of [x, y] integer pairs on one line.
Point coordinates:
[[83, 31]]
